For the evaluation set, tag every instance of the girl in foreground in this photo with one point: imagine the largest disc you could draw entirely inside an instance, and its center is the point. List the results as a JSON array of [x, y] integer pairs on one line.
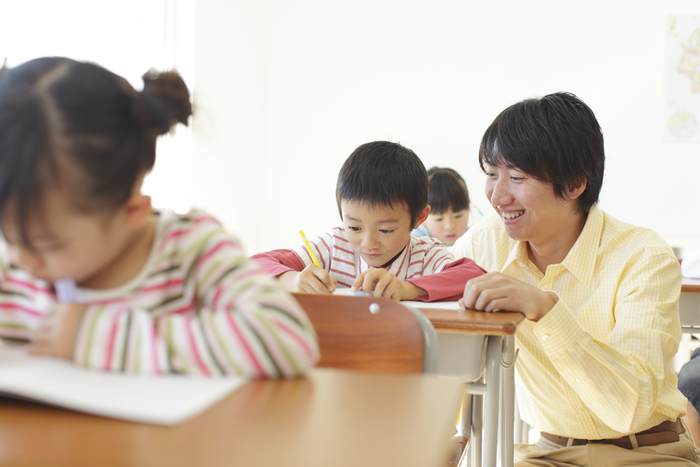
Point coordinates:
[[144, 291]]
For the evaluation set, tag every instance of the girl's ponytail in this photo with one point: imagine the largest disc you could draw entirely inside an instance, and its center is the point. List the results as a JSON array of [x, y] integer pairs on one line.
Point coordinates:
[[163, 102]]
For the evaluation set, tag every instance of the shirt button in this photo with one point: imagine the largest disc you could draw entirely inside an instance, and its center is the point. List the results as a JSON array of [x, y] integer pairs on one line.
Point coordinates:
[[545, 337], [578, 380], [544, 287]]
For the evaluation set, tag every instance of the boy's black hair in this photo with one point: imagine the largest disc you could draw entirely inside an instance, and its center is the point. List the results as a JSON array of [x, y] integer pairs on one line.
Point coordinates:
[[55, 110], [447, 190], [555, 139], [384, 173]]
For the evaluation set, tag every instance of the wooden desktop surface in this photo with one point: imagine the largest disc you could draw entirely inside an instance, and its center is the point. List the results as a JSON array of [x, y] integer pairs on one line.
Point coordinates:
[[690, 285], [450, 317], [473, 322], [331, 418]]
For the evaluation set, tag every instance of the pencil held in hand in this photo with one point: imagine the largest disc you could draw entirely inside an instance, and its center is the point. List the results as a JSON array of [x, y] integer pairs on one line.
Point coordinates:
[[308, 248]]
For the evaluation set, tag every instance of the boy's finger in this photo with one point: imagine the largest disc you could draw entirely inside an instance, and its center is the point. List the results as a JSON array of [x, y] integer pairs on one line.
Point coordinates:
[[317, 287], [333, 285], [382, 287], [358, 281], [368, 283]]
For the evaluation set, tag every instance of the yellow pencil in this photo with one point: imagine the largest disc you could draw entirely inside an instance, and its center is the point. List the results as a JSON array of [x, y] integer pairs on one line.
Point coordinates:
[[477, 210], [308, 248]]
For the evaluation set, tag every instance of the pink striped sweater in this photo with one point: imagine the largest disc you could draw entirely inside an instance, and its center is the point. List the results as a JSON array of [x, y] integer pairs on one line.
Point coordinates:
[[425, 262], [198, 306]]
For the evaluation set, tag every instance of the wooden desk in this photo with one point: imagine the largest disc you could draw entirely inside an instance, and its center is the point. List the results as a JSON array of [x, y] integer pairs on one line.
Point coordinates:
[[461, 333], [472, 322], [331, 418]]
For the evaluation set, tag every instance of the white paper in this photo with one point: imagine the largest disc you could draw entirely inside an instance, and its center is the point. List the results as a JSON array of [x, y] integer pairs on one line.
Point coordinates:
[[434, 305], [453, 305], [161, 400]]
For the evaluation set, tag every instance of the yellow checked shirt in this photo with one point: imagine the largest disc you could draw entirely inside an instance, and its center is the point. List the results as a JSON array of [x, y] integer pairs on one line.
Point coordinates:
[[598, 365]]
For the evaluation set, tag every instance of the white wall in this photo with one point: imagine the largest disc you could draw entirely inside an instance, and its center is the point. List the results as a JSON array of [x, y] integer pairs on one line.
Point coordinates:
[[285, 90]]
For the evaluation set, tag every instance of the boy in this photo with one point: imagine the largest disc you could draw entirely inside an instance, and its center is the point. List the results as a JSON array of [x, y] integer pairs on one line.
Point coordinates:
[[382, 195]]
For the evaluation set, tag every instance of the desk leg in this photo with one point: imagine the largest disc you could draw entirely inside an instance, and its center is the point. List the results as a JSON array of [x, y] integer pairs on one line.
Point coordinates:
[[492, 400], [475, 443], [508, 398]]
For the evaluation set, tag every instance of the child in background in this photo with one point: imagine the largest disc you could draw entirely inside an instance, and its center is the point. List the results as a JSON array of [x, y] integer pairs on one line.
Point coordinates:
[[382, 194], [155, 292], [449, 207]]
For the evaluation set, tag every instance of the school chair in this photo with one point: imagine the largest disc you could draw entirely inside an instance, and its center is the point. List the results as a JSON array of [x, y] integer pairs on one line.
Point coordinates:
[[371, 334], [379, 335]]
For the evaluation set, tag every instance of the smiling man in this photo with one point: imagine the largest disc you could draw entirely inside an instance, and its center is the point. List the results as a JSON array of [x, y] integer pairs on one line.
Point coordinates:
[[600, 296]]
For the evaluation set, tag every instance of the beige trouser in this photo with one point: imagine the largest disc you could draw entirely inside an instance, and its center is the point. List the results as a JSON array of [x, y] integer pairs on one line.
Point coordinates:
[[545, 453]]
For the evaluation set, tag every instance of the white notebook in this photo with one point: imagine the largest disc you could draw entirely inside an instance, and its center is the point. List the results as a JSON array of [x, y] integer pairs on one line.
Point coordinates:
[[161, 400]]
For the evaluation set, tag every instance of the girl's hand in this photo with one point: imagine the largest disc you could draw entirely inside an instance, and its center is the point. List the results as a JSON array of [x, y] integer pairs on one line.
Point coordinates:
[[312, 279], [385, 284], [57, 331]]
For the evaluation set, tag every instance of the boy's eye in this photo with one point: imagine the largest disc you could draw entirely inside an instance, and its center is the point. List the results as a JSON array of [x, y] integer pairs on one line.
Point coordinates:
[[384, 231], [354, 229]]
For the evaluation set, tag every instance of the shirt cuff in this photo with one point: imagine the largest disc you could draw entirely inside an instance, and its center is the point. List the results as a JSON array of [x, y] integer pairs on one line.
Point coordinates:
[[558, 329]]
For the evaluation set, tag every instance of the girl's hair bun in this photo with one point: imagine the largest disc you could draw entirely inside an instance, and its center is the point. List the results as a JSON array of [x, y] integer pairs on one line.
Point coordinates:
[[163, 102]]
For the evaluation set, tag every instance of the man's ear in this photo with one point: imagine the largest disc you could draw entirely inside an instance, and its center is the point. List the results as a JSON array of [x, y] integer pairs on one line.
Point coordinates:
[[576, 189], [422, 216]]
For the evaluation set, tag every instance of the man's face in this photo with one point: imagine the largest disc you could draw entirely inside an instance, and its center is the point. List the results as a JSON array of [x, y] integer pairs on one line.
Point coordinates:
[[529, 208]]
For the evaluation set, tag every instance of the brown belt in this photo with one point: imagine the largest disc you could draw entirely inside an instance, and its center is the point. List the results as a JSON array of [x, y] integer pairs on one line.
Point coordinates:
[[666, 432]]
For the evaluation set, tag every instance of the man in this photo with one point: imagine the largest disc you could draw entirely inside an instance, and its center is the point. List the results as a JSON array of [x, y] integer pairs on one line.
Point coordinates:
[[600, 296]]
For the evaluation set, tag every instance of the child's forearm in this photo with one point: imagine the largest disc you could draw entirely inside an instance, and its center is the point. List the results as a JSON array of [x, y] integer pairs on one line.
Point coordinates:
[[411, 291], [277, 262], [287, 280]]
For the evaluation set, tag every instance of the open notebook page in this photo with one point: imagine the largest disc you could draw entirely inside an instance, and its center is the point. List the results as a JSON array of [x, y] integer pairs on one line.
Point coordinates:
[[161, 400]]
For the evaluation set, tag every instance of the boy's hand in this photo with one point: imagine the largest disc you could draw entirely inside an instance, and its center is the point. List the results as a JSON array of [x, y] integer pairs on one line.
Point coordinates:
[[385, 284], [56, 334], [312, 279], [497, 292]]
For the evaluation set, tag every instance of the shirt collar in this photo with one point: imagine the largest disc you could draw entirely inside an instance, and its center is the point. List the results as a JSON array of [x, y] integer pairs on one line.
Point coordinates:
[[580, 261], [582, 258]]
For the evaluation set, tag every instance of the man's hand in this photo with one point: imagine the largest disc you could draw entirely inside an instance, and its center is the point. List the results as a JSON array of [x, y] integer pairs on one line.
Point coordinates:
[[57, 331], [312, 279], [497, 292], [385, 284]]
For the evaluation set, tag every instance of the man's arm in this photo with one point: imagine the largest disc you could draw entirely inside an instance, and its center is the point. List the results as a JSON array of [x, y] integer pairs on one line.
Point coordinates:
[[617, 370], [620, 376]]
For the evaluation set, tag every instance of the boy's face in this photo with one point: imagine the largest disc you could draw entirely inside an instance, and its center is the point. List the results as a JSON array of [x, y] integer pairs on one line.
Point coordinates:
[[448, 226], [377, 233]]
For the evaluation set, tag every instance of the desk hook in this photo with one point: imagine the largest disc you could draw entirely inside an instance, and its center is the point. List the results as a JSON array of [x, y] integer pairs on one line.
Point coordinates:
[[505, 365]]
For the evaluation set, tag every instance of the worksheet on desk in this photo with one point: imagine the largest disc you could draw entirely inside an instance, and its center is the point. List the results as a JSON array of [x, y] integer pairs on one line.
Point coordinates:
[[451, 305], [160, 400]]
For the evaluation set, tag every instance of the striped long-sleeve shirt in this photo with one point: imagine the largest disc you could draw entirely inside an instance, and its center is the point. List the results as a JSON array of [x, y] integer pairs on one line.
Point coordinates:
[[425, 262], [198, 306]]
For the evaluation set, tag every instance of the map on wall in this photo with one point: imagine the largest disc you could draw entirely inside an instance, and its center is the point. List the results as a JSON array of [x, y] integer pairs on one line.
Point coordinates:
[[682, 116]]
